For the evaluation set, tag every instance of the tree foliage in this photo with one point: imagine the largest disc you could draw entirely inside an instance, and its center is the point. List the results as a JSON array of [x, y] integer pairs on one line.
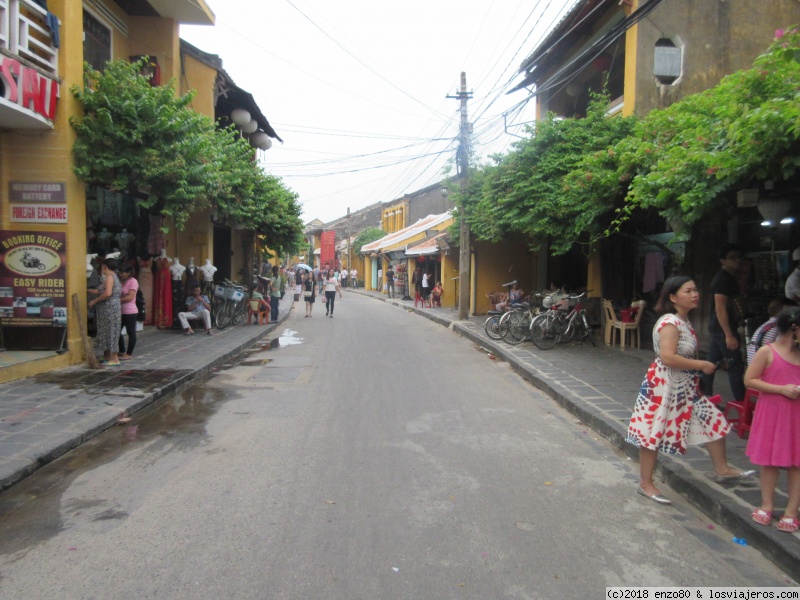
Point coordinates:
[[681, 160], [137, 138], [367, 237], [523, 193]]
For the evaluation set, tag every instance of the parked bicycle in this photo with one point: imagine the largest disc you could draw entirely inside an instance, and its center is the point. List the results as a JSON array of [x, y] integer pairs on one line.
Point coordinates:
[[559, 325], [229, 304]]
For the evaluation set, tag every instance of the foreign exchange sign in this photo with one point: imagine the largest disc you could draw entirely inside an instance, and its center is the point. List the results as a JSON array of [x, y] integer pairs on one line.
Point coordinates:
[[38, 202]]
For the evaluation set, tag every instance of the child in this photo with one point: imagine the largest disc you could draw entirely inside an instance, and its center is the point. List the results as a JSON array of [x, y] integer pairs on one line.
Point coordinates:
[[775, 435]]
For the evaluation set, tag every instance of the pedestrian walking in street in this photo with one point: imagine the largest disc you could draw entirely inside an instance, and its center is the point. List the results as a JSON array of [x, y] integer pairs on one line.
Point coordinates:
[[309, 293], [108, 313], [274, 294], [723, 325], [774, 441], [390, 282], [129, 287], [331, 287], [670, 413]]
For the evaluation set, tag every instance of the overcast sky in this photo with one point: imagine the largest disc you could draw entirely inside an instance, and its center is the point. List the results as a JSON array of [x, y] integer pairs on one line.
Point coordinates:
[[357, 89]]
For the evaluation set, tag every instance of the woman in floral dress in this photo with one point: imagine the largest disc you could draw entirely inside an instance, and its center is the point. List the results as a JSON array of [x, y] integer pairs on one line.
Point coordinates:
[[670, 412], [108, 313]]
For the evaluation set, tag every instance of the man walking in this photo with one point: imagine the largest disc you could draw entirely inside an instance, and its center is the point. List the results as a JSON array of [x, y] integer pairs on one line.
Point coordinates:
[[353, 279], [724, 323], [390, 282]]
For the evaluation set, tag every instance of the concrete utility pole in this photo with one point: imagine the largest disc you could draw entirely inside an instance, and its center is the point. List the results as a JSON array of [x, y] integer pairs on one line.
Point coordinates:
[[464, 241]]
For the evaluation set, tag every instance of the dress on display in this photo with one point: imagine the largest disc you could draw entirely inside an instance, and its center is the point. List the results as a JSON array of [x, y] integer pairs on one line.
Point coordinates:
[[110, 214], [162, 295], [146, 285], [670, 412], [775, 434], [108, 318]]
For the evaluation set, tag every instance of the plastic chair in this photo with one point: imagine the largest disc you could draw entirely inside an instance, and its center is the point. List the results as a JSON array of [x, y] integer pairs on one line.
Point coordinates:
[[744, 412], [260, 309], [611, 322]]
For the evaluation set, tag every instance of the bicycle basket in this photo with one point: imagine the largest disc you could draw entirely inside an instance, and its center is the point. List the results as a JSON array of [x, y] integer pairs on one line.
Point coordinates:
[[219, 291], [236, 295], [547, 301]]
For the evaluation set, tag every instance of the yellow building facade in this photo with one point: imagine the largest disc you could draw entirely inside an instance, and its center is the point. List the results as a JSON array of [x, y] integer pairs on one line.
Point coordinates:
[[43, 206]]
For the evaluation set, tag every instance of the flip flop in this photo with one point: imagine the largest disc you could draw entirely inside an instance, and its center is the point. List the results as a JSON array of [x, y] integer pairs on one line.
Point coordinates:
[[125, 357], [107, 363], [788, 524], [761, 516]]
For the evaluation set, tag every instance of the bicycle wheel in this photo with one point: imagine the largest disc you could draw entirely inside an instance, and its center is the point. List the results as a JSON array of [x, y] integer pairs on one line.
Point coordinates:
[[520, 330], [587, 330], [240, 312], [225, 315], [492, 327], [510, 322], [570, 330], [545, 331]]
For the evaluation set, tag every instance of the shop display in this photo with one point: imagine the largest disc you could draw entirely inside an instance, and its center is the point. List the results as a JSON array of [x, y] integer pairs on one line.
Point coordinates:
[[162, 292]]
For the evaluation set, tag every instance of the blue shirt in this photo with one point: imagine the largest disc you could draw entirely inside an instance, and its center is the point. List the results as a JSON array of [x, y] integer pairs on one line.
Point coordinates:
[[194, 306]]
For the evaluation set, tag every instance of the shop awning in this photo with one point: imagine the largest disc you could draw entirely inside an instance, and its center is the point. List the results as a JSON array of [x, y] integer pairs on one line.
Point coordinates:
[[396, 240], [430, 246]]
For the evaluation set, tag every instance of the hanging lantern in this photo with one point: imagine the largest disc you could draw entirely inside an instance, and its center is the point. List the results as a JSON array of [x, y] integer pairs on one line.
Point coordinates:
[[240, 116], [250, 127], [573, 89], [774, 210], [260, 140]]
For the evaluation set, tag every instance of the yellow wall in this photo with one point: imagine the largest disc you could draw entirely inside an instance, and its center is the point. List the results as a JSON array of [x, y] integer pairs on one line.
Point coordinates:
[[631, 44], [449, 271], [157, 37], [201, 78], [496, 264]]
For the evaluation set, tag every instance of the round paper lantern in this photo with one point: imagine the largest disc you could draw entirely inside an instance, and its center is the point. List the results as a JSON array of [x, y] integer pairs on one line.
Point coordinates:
[[260, 140], [240, 116], [250, 127]]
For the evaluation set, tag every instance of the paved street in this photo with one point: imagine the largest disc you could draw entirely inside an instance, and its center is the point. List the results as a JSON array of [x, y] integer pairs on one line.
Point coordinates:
[[374, 455]]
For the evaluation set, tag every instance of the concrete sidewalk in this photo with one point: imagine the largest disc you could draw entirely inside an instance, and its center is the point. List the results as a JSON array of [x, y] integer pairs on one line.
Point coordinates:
[[599, 385], [44, 416]]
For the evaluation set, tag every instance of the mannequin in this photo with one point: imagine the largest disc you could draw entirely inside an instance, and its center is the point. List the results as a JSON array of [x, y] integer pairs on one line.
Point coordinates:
[[177, 269], [178, 295], [191, 278], [208, 271], [104, 239], [89, 265], [125, 242], [163, 253]]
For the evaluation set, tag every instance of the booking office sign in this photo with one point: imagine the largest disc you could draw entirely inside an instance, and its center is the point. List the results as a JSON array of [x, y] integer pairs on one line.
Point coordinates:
[[33, 271]]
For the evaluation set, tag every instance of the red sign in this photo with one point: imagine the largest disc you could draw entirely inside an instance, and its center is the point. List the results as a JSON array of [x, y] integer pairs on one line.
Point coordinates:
[[28, 88], [33, 270], [327, 248]]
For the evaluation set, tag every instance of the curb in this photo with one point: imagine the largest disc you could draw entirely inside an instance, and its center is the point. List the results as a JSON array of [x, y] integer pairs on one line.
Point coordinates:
[[73, 439], [715, 504]]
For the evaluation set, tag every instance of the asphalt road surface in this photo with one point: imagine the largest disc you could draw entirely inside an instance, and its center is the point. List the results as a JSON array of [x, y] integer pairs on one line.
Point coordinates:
[[374, 455]]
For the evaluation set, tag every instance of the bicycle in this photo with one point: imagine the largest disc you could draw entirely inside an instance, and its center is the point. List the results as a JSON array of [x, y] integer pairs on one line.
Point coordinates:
[[555, 326], [515, 324], [230, 304], [492, 324]]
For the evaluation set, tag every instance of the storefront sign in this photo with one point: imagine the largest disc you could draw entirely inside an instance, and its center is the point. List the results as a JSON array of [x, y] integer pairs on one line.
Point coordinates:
[[327, 253], [33, 271], [38, 202], [29, 89]]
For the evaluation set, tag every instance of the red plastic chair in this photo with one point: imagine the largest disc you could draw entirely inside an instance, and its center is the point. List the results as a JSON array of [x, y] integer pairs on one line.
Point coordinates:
[[744, 412]]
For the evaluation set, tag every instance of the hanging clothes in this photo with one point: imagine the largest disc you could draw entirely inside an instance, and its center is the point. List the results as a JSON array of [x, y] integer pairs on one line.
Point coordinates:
[[163, 294], [145, 279], [155, 241], [653, 271]]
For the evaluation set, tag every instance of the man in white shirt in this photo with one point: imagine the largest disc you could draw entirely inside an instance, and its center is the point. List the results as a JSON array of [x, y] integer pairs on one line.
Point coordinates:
[[353, 274], [792, 290]]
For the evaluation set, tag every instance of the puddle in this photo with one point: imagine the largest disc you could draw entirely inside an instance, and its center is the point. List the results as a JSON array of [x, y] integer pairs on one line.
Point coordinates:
[[289, 338], [39, 507], [126, 382]]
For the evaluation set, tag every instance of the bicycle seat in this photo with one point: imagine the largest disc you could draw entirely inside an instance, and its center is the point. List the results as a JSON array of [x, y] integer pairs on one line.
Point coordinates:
[[510, 283], [494, 312]]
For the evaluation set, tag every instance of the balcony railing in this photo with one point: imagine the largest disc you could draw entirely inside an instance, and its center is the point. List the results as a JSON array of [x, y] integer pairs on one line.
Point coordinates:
[[24, 32]]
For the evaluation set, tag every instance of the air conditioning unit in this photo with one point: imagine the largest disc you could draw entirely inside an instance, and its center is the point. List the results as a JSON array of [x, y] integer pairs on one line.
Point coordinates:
[[747, 198]]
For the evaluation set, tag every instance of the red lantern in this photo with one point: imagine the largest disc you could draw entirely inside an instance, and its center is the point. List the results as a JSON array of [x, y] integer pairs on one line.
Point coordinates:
[[602, 63]]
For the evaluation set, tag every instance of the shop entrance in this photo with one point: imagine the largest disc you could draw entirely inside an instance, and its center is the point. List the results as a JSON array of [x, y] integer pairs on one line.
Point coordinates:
[[222, 252]]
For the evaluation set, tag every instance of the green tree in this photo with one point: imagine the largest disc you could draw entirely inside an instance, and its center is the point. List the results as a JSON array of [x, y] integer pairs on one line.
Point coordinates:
[[523, 192], [367, 236]]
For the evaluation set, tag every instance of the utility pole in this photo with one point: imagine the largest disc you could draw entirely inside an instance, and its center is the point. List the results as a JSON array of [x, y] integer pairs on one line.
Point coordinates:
[[463, 166]]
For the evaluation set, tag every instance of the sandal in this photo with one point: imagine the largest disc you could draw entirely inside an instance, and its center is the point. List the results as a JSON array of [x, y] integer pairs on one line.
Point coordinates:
[[788, 524], [125, 357], [108, 363], [761, 516], [188, 332]]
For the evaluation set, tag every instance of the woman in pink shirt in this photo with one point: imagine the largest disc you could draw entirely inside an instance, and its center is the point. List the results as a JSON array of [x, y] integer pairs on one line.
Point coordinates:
[[129, 310]]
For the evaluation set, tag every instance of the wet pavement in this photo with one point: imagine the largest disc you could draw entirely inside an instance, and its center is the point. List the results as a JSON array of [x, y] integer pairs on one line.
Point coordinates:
[[44, 416], [599, 385]]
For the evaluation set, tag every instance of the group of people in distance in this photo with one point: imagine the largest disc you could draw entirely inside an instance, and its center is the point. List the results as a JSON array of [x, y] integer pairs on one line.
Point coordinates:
[[673, 409]]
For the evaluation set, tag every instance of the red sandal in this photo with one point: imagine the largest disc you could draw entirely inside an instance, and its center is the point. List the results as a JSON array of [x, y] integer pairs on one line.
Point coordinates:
[[761, 516], [788, 524]]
